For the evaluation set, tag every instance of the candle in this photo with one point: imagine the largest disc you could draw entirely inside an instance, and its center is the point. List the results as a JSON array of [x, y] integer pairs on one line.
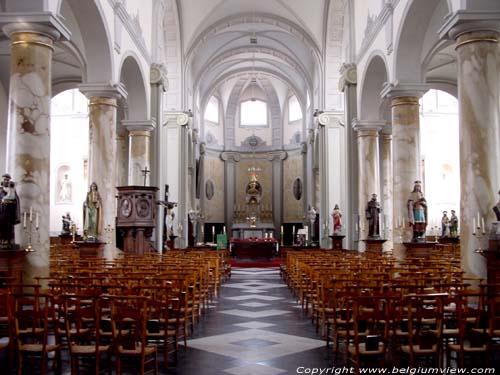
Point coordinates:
[[473, 226], [478, 220], [282, 229], [483, 228], [213, 229], [31, 214], [224, 229], [36, 221], [293, 229], [24, 220]]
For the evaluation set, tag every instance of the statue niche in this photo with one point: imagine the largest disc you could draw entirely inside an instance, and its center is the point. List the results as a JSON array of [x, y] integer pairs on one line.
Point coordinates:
[[253, 196]]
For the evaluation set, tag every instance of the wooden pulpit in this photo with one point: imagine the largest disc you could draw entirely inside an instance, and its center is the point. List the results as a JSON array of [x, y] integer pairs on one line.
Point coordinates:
[[136, 217]]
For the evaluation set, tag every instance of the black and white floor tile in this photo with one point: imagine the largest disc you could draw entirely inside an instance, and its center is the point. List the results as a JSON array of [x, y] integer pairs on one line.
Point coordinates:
[[255, 328]]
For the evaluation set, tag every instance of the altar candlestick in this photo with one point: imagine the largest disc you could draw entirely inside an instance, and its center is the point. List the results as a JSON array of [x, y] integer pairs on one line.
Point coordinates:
[[24, 220], [483, 228], [36, 220], [31, 214]]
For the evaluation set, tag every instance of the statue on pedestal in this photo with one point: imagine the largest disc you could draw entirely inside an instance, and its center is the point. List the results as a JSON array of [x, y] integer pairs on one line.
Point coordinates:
[[445, 225], [92, 208], [417, 212], [453, 224], [337, 220], [10, 212], [372, 213]]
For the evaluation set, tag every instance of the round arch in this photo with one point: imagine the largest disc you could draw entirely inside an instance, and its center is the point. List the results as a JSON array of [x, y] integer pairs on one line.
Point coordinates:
[[132, 76], [373, 79]]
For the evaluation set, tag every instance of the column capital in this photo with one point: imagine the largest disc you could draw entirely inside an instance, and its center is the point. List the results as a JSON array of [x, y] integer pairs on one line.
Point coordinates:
[[278, 155], [230, 156], [106, 90], [158, 75], [368, 125], [464, 21], [329, 118], [139, 125], [398, 89], [45, 23], [348, 75]]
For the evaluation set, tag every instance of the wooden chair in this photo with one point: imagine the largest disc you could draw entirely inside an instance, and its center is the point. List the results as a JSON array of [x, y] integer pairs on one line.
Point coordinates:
[[31, 332], [87, 353], [425, 324], [129, 321], [370, 331], [6, 329], [473, 341]]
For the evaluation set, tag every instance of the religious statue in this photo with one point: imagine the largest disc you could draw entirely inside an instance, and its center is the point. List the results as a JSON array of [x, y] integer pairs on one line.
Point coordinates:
[[372, 213], [496, 208], [169, 214], [445, 225], [453, 224], [337, 219], [417, 212], [66, 223], [65, 191], [10, 212], [92, 208]]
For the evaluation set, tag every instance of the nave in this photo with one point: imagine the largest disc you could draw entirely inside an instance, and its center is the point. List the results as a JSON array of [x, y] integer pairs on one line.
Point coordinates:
[[256, 327]]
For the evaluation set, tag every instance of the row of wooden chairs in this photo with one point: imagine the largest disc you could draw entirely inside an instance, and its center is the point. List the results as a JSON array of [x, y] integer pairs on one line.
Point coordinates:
[[419, 309]]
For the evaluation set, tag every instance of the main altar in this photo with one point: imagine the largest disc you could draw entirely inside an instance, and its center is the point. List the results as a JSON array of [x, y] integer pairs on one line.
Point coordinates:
[[253, 232]]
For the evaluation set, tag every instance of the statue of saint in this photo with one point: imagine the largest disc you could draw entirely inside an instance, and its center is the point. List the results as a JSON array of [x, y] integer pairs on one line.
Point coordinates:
[[337, 219], [10, 212], [92, 213], [453, 224], [445, 225], [372, 214], [417, 212], [65, 191], [66, 223]]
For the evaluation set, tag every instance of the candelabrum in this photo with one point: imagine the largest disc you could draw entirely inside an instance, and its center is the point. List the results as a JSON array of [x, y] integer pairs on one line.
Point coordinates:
[[30, 228], [73, 229], [479, 231], [195, 216]]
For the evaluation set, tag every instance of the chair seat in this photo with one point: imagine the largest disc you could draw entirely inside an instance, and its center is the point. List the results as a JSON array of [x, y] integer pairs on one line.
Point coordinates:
[[88, 349], [137, 351], [467, 348], [37, 348], [417, 350], [363, 351]]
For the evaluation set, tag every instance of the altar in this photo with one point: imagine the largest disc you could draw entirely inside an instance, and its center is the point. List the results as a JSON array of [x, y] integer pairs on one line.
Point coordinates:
[[253, 248]]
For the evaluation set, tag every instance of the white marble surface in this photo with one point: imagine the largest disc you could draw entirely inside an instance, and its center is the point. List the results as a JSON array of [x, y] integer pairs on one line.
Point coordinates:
[[102, 156], [121, 158], [387, 186], [406, 159], [478, 94], [28, 153], [368, 156]]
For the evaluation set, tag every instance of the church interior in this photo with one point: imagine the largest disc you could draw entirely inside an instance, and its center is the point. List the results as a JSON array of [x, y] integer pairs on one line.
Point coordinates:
[[249, 187]]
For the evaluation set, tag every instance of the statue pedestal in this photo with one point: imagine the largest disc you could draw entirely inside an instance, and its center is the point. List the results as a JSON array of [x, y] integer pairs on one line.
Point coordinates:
[[67, 238], [11, 265], [337, 242], [374, 245], [420, 249], [87, 249]]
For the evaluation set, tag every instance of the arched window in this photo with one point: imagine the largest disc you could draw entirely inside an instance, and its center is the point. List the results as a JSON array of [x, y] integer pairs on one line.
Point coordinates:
[[212, 110], [294, 110], [253, 113]]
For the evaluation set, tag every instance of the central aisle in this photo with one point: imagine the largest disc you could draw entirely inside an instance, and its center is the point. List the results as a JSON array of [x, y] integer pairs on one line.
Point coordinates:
[[255, 327]]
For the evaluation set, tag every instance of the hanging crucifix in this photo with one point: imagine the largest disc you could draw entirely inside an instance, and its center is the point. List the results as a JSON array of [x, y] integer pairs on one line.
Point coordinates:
[[145, 172]]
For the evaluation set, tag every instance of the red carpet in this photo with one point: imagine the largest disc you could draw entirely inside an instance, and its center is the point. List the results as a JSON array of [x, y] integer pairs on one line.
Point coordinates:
[[255, 263]]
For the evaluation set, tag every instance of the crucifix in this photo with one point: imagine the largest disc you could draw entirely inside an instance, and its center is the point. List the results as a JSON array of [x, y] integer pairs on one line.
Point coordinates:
[[145, 172]]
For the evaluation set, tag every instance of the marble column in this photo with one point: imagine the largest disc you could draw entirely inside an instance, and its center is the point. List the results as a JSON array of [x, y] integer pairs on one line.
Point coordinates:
[[184, 122], [478, 59], [28, 136], [323, 175], [102, 155], [159, 84], [348, 85], [121, 157], [229, 159], [387, 186], [369, 174], [139, 154], [276, 158]]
